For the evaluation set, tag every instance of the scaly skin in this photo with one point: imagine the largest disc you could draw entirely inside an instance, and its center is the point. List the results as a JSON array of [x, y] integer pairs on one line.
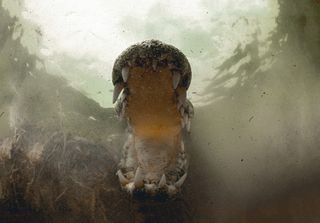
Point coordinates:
[[153, 78]]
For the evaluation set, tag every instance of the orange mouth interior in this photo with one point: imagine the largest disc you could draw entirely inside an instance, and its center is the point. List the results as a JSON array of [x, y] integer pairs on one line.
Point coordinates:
[[152, 103]]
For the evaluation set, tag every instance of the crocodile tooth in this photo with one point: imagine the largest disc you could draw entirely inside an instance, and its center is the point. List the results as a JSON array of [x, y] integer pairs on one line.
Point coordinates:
[[190, 108], [185, 162], [118, 108], [182, 111], [181, 181], [163, 181], [182, 98], [172, 190], [129, 126], [150, 188], [116, 92], [123, 97], [130, 175], [188, 125], [138, 178], [154, 64], [130, 187], [182, 123], [185, 119], [176, 79], [123, 110], [172, 65], [182, 146], [125, 73], [123, 180]]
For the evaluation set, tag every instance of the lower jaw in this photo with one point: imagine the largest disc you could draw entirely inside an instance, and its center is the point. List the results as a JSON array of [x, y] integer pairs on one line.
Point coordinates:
[[152, 166]]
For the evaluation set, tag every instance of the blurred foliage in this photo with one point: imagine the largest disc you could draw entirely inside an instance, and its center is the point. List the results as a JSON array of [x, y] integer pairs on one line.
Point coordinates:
[[294, 42], [35, 98]]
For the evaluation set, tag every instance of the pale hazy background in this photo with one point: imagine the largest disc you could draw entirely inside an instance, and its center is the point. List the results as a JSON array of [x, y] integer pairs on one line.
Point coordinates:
[[80, 40], [254, 154]]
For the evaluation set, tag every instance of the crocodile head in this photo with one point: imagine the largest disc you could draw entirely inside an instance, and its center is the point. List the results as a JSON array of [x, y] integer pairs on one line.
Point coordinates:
[[151, 80]]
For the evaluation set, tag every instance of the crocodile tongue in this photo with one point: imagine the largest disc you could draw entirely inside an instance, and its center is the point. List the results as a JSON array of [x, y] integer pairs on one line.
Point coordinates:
[[155, 156]]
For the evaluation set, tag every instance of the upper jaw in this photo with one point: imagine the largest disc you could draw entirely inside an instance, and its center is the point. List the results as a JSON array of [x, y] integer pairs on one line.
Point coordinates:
[[155, 54]]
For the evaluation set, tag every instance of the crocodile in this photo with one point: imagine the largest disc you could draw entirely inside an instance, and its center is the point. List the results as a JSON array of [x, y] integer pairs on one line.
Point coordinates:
[[151, 79]]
